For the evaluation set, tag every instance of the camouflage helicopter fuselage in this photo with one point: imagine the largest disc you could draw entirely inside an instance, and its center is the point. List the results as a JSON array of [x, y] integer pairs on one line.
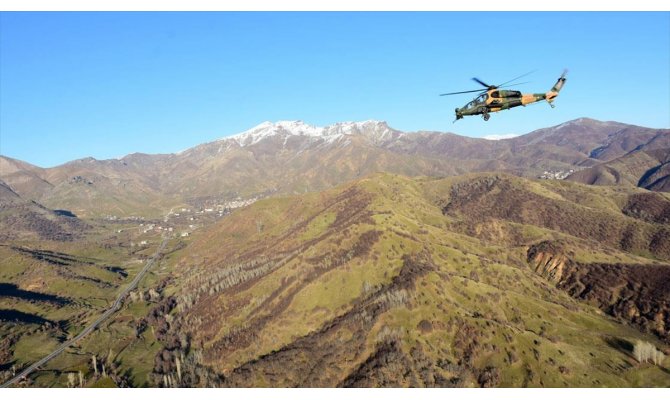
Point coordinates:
[[494, 100]]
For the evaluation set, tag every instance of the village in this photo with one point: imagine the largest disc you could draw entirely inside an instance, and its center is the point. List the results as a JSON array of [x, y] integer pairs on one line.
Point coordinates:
[[559, 174], [179, 221]]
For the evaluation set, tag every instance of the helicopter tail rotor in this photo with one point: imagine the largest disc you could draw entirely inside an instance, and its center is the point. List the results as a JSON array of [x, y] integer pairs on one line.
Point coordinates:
[[553, 92]]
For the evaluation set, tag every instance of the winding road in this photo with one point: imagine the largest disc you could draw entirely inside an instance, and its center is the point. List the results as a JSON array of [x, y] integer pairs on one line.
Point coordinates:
[[90, 328]]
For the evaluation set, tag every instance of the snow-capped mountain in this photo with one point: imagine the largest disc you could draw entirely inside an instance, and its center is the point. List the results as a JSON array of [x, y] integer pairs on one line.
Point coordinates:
[[293, 156], [376, 131]]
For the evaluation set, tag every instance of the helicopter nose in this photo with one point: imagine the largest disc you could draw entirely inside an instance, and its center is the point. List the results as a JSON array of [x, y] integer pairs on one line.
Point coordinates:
[[459, 114]]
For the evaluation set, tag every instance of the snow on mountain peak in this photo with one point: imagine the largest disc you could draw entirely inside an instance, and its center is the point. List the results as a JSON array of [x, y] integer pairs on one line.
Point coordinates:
[[376, 130]]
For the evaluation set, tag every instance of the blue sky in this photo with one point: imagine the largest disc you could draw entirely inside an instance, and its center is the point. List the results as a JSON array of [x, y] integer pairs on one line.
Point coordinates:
[[107, 84]]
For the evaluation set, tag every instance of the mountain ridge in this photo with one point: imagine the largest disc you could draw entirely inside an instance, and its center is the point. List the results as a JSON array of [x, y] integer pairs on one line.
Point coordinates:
[[310, 131], [298, 123], [292, 156]]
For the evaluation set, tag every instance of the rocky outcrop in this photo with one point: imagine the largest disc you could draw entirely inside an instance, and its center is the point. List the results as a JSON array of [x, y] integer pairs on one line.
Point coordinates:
[[638, 293], [547, 260]]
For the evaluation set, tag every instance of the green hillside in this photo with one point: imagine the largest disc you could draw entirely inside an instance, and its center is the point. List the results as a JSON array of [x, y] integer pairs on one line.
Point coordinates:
[[388, 281]]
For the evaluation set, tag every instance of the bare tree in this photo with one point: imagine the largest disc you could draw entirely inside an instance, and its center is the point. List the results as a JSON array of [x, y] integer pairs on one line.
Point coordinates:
[[153, 295], [178, 362], [94, 361], [637, 351], [70, 379], [110, 357], [647, 352]]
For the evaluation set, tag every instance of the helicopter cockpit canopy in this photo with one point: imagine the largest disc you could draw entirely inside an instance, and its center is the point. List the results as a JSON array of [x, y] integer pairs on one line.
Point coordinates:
[[481, 99]]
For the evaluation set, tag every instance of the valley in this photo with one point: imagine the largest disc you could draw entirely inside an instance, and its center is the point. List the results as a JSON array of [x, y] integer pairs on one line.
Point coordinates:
[[352, 255]]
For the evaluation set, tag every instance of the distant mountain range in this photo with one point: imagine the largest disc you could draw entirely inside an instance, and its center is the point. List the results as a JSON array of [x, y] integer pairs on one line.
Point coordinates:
[[292, 157]]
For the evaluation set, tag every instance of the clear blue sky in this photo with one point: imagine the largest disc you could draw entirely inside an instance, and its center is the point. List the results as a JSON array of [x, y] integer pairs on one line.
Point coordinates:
[[107, 84]]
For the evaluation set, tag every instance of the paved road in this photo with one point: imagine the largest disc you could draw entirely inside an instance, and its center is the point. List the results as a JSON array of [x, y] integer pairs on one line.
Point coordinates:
[[111, 310]]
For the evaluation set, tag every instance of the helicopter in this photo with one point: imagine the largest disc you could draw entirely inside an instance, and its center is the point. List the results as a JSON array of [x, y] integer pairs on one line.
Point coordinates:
[[493, 99]]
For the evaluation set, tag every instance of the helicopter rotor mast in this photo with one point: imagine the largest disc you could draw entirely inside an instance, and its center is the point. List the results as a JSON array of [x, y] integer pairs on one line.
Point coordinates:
[[486, 85]]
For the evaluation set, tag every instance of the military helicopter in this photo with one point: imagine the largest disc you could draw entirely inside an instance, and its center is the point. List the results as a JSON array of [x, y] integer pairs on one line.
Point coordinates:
[[493, 99]]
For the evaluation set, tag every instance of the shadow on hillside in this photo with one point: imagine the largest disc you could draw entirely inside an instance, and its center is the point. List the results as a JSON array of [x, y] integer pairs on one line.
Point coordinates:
[[51, 257], [7, 366], [11, 290], [21, 317], [65, 213], [619, 344]]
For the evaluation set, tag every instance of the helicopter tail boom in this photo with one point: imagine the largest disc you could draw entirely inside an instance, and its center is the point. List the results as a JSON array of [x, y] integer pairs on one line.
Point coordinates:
[[553, 92]]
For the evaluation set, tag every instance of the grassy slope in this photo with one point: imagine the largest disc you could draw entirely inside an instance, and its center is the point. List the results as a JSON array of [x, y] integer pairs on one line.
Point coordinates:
[[75, 271], [367, 284], [323, 260]]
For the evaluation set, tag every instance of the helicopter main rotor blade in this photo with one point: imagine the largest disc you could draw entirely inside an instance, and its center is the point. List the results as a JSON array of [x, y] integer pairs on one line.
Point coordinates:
[[467, 91], [481, 83], [514, 84], [480, 90], [518, 77]]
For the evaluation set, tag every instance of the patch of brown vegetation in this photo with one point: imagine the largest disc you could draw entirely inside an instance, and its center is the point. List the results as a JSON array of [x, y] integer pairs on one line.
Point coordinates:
[[489, 198], [326, 353], [639, 293], [649, 207]]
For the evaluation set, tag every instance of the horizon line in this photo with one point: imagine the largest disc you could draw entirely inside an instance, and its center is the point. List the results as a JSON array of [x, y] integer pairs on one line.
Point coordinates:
[[492, 137]]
